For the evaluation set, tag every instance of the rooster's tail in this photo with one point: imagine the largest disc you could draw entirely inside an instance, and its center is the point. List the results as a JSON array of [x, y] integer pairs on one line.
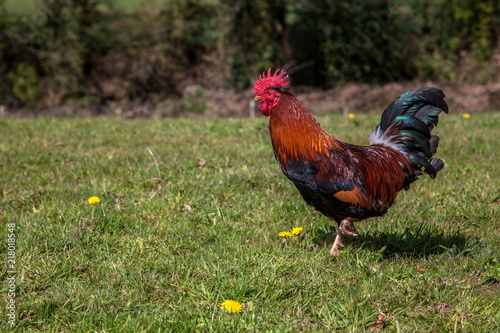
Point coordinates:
[[407, 124]]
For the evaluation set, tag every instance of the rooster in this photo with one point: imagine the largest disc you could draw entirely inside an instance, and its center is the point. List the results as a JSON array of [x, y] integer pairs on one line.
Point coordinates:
[[345, 182]]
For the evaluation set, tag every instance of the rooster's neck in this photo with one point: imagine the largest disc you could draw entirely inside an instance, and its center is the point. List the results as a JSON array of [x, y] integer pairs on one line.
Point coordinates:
[[296, 134]]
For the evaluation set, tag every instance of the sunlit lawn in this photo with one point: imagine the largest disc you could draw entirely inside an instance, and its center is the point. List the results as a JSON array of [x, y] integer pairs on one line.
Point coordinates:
[[190, 213]]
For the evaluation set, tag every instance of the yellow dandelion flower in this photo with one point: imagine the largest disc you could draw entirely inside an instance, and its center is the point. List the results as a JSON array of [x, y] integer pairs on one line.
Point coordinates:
[[93, 200], [285, 234], [351, 115], [466, 116], [297, 231], [231, 306]]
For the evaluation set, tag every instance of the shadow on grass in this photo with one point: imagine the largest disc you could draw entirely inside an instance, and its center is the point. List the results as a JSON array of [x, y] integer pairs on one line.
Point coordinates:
[[420, 242]]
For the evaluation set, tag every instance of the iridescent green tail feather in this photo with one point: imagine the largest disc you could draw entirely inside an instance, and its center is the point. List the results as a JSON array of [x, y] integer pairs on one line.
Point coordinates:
[[407, 123]]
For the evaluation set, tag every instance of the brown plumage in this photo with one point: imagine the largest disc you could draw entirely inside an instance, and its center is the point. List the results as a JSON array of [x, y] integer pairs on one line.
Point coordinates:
[[346, 182]]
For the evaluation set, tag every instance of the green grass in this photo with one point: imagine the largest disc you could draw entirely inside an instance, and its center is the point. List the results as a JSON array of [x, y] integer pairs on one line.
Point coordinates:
[[196, 221]]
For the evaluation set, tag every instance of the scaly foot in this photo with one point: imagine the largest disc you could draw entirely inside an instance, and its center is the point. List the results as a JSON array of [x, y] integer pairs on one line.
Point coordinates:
[[337, 245], [346, 227]]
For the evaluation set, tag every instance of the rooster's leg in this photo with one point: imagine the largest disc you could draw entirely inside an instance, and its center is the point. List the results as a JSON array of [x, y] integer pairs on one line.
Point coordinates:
[[337, 245], [346, 227]]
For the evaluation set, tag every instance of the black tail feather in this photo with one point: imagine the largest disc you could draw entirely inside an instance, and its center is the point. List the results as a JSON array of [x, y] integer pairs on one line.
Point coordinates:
[[433, 143], [437, 164], [413, 124], [407, 124], [420, 142], [424, 104]]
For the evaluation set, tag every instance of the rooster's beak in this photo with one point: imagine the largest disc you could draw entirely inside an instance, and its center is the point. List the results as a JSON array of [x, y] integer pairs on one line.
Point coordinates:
[[257, 98]]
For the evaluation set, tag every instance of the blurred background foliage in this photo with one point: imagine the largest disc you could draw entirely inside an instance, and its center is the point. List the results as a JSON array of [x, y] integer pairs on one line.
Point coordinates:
[[100, 51]]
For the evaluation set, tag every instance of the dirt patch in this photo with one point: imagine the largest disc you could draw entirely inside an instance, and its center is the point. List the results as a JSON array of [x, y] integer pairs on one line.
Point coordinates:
[[367, 98], [443, 308], [360, 98], [197, 101]]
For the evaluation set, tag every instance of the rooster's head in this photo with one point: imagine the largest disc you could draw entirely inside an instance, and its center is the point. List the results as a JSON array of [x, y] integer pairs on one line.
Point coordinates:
[[265, 89]]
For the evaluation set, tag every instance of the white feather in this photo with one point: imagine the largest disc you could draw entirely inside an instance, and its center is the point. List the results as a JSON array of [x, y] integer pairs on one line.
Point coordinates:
[[378, 137]]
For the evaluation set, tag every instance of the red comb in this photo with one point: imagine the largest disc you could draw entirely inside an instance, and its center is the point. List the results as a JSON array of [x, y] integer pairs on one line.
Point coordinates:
[[263, 82]]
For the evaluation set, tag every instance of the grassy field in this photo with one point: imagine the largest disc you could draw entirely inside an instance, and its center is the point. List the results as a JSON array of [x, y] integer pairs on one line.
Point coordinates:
[[190, 213]]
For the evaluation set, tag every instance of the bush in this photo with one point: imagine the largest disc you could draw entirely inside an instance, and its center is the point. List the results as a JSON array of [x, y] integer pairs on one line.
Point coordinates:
[[257, 41], [86, 50], [25, 83], [361, 41], [54, 41], [446, 32]]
